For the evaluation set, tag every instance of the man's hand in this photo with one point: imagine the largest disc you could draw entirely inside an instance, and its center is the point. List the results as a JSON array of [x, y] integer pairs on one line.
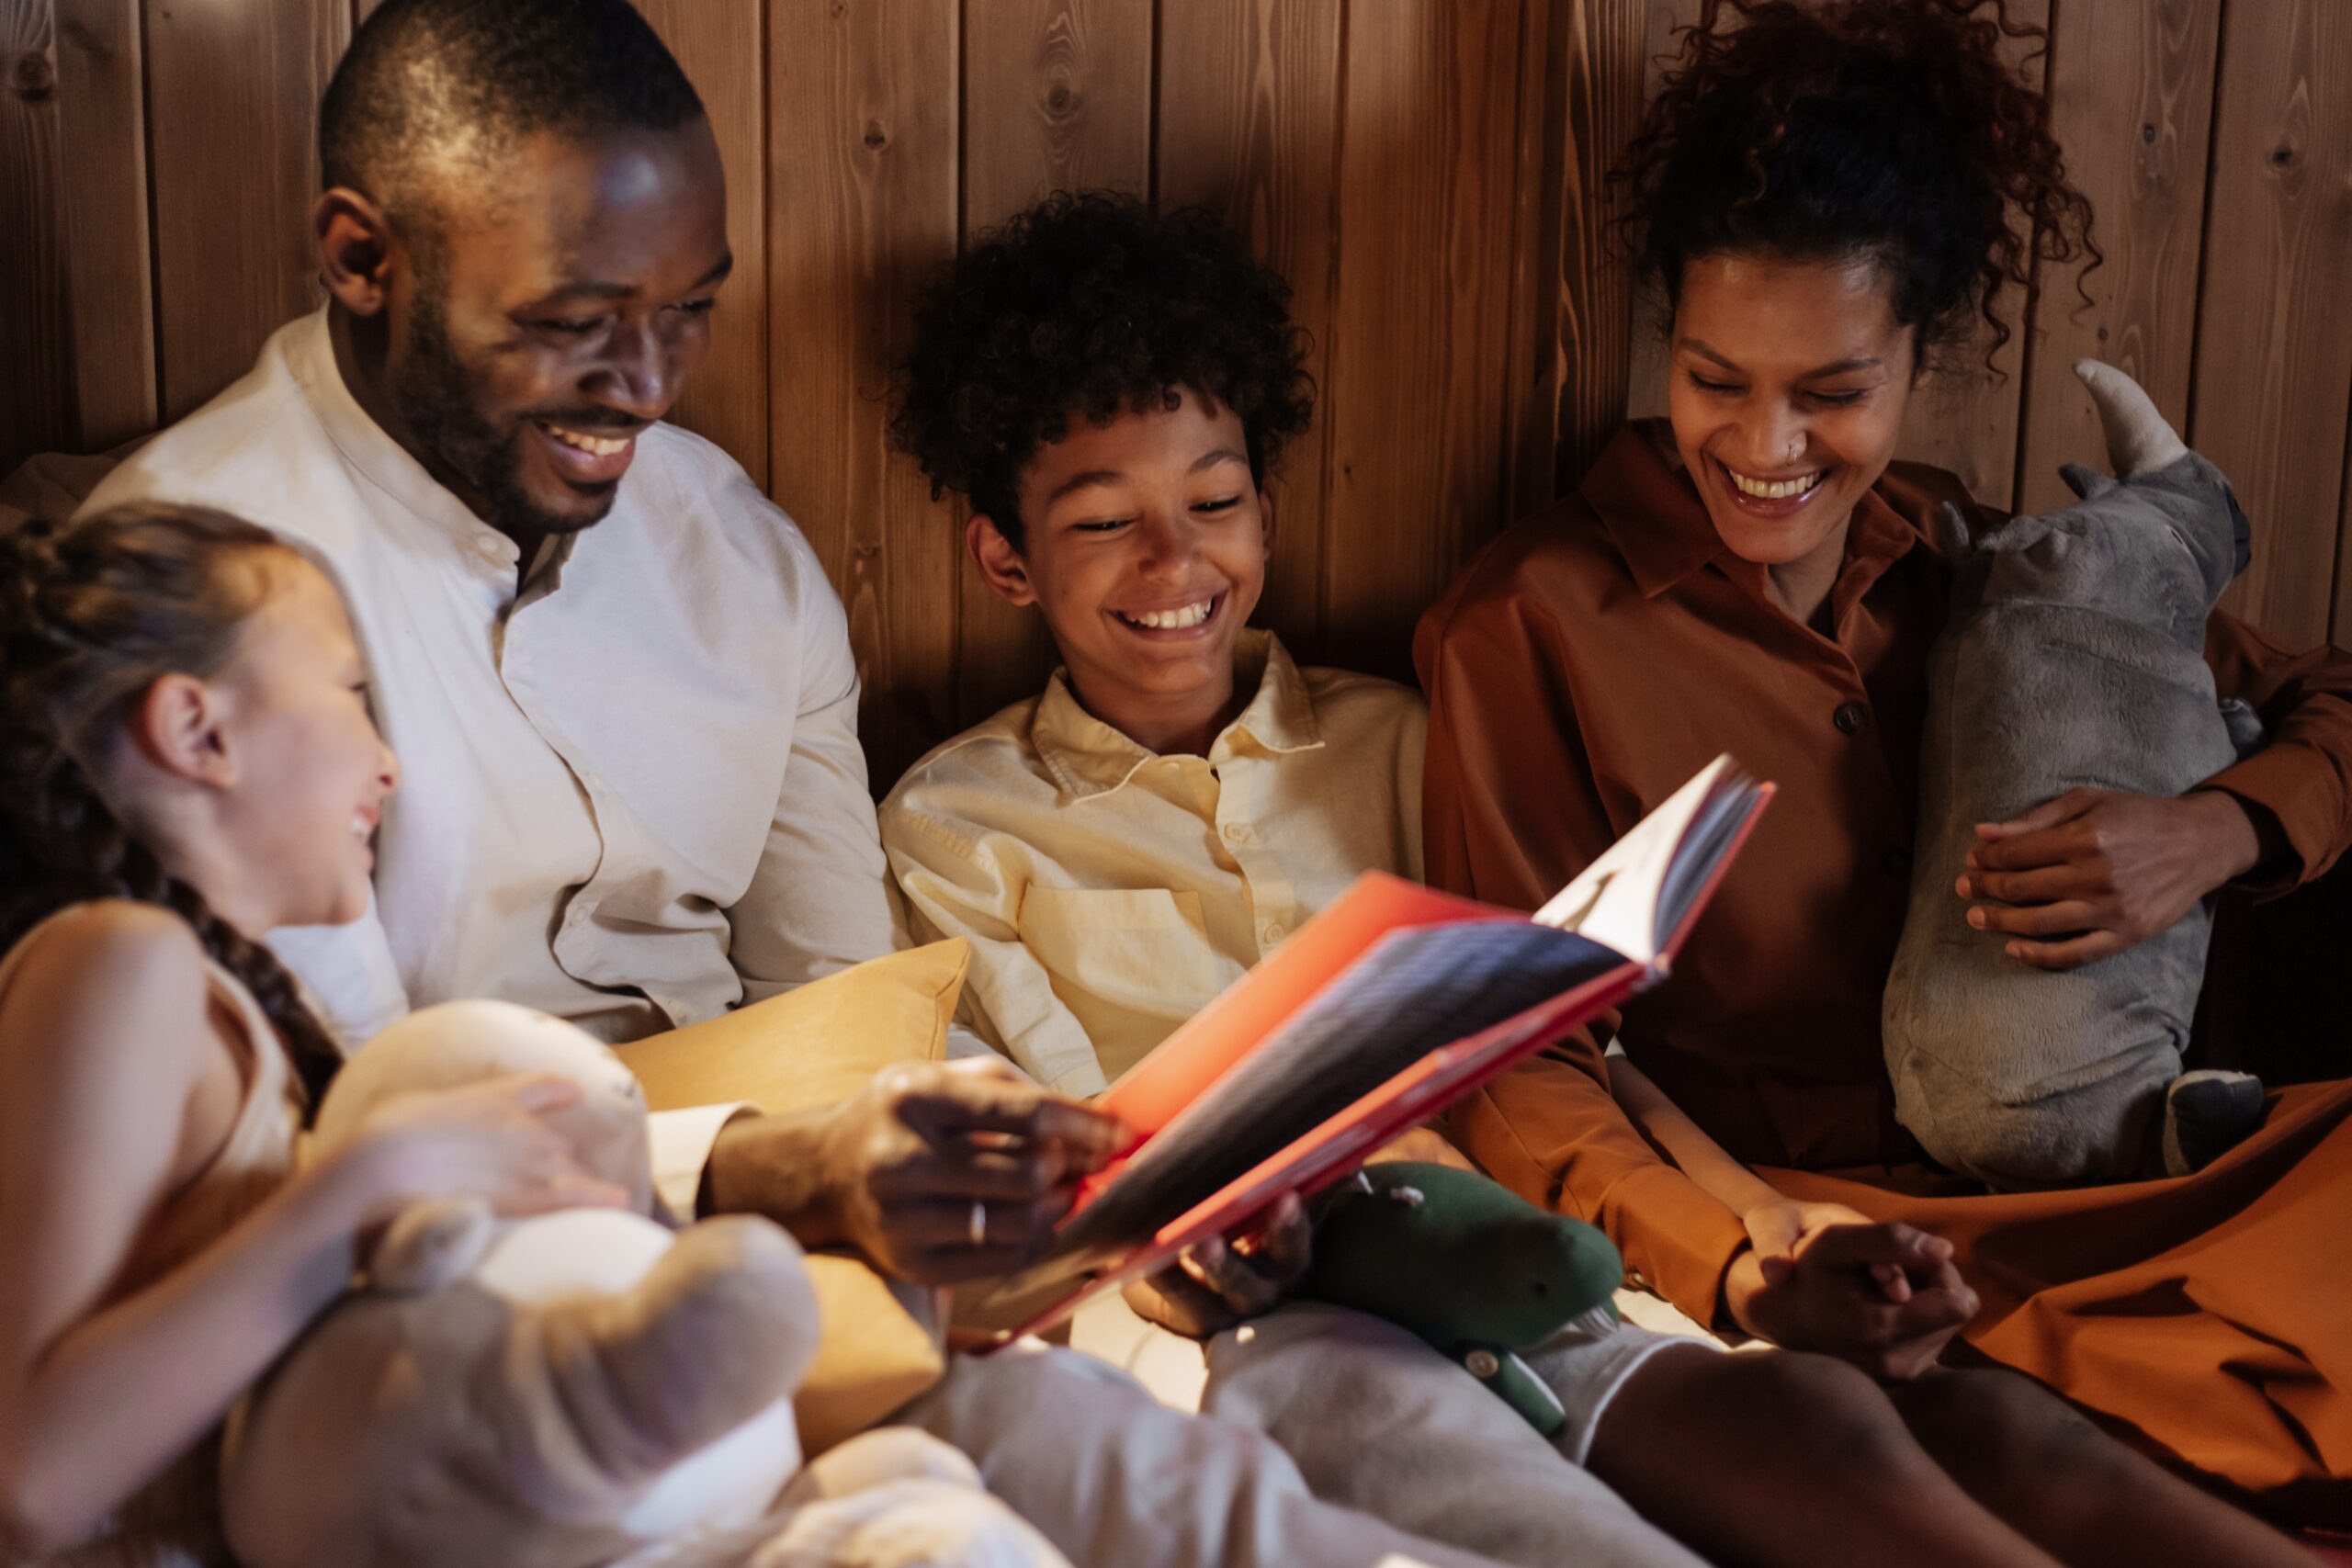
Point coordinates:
[[2096, 871], [1215, 1285], [1832, 1295], [897, 1170]]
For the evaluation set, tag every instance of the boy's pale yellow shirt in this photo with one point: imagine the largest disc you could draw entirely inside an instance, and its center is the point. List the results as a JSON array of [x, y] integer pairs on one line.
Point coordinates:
[[1109, 893]]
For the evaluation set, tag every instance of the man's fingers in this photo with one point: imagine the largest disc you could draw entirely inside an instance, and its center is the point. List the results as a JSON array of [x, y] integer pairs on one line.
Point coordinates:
[[977, 1102], [2086, 949], [928, 1224], [2049, 813], [2067, 919], [964, 1173], [959, 1265]]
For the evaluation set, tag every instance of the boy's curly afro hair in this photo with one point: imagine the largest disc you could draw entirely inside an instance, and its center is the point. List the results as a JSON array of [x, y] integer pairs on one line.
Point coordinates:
[[1091, 306]]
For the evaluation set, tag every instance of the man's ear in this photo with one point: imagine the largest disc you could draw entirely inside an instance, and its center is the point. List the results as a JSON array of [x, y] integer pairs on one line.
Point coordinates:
[[178, 726], [1001, 566], [355, 249]]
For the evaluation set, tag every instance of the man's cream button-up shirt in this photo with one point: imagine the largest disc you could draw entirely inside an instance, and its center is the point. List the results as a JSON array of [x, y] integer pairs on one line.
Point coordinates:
[[1109, 893], [633, 795]]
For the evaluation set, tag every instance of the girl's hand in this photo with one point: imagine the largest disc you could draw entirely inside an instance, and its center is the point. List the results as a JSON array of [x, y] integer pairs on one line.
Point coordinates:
[[2096, 870], [488, 1140]]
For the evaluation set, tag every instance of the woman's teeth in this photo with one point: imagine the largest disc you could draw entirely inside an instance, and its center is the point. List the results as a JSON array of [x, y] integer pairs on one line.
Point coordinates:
[[596, 446], [1774, 490], [1170, 620]]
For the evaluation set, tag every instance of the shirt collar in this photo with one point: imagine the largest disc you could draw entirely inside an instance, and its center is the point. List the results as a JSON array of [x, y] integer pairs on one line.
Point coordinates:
[[1088, 757], [1644, 497], [366, 446]]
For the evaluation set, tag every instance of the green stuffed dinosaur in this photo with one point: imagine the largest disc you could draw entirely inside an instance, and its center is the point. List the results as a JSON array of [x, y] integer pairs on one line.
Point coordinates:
[[1474, 1269]]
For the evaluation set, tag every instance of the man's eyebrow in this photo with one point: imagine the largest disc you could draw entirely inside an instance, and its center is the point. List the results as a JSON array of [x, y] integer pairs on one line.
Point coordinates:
[[1858, 362], [591, 290]]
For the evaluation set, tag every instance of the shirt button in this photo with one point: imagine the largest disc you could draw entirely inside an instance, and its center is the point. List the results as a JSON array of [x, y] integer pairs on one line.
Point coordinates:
[[1896, 862], [1237, 832], [1269, 934], [1850, 717]]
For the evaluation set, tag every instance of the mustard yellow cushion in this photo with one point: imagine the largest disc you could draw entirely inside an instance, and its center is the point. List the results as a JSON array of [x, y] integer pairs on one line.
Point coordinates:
[[812, 1047]]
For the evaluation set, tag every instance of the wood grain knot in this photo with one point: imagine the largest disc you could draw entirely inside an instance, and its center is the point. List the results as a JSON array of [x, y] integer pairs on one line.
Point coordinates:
[[33, 75], [876, 137], [2148, 134], [2283, 158]]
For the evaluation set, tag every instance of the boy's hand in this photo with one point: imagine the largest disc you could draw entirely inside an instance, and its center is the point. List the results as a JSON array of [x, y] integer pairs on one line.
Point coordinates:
[[1215, 1285], [1828, 1296], [1777, 1229]]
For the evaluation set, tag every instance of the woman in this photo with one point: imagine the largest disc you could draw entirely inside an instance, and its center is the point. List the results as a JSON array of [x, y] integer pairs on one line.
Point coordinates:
[[1827, 197]]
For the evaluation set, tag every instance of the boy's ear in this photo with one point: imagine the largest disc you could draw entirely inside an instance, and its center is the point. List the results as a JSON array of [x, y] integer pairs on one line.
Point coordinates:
[[1001, 566], [177, 728]]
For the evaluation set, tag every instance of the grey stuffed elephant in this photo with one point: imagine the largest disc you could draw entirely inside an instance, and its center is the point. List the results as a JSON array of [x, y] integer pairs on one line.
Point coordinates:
[[2072, 659]]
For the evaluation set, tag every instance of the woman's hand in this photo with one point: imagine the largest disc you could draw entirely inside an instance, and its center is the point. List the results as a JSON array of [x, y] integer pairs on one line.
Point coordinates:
[[1830, 1296], [2096, 871], [488, 1140], [1215, 1285]]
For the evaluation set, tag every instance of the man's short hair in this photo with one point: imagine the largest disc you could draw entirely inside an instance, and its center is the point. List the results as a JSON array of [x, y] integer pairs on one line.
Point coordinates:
[[435, 82]]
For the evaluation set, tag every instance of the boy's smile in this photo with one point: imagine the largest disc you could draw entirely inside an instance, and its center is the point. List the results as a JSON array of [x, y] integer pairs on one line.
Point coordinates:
[[1143, 545]]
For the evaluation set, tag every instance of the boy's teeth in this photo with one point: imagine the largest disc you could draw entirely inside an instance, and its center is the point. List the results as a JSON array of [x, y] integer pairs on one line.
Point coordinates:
[[596, 446], [1773, 489], [1174, 620]]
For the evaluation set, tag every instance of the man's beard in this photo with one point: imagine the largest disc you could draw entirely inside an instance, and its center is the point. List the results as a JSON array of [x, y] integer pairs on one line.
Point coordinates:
[[436, 399]]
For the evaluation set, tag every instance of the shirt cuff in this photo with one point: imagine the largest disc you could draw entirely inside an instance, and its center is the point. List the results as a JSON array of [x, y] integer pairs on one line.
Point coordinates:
[[2278, 781], [1678, 1238], [681, 1142]]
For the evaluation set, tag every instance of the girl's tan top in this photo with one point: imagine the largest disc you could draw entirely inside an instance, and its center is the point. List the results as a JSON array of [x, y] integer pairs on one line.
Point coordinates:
[[1597, 656], [173, 1522]]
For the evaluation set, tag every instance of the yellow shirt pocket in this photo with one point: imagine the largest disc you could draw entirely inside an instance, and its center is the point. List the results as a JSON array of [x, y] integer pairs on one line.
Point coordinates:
[[1132, 964]]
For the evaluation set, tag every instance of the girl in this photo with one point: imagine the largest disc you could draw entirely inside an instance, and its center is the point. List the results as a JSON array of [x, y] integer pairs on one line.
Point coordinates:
[[1827, 197], [187, 762]]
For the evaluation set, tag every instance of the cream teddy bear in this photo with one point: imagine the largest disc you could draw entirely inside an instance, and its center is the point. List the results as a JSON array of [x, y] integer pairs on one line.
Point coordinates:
[[577, 1389]]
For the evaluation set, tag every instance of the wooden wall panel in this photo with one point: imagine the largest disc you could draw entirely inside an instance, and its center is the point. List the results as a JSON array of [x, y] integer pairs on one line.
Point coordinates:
[[1663, 22], [861, 159], [1248, 127], [233, 94], [36, 329], [2131, 97], [2274, 365], [721, 45], [102, 138], [1058, 97], [1608, 51], [1416, 408]]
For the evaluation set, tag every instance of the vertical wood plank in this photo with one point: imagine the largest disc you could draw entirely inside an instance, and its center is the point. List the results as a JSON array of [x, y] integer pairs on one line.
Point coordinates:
[[1417, 404], [719, 44], [1535, 365], [2274, 372], [36, 328], [1248, 127], [233, 95], [861, 159], [1965, 418], [102, 138], [2131, 92], [1057, 96], [1612, 46]]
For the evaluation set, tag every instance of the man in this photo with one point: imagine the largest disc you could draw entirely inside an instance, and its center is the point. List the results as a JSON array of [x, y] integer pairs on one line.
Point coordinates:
[[624, 695]]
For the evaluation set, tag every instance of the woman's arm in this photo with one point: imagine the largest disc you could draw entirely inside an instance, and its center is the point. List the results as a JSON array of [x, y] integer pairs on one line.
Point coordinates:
[[107, 1054]]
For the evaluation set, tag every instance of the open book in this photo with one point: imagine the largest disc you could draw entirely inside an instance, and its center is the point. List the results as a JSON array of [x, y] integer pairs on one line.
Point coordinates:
[[1385, 1008]]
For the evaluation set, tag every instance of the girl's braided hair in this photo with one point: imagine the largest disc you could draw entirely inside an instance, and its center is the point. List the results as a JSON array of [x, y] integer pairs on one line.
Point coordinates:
[[91, 614], [1835, 128]]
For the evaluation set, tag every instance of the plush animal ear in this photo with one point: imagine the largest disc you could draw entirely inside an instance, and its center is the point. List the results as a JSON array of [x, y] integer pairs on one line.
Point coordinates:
[[2088, 484], [1953, 533]]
